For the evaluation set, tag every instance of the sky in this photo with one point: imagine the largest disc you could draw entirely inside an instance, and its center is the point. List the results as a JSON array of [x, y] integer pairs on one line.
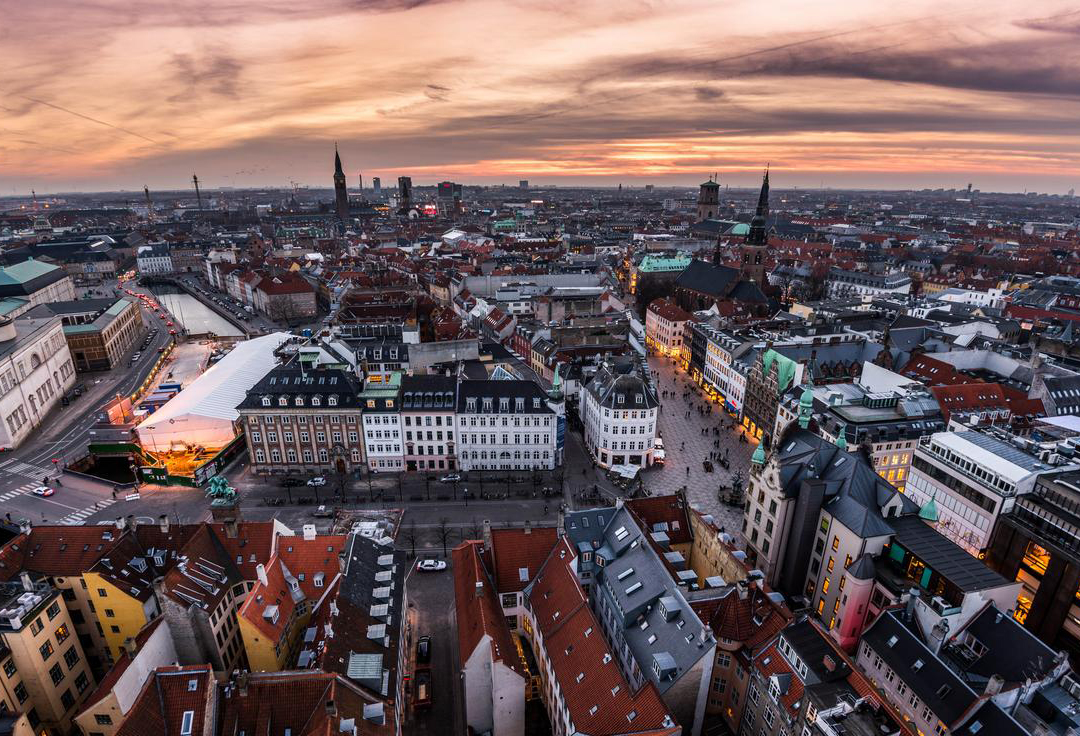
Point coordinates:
[[108, 94]]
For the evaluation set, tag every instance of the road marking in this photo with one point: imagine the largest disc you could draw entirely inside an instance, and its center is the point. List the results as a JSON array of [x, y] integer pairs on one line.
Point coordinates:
[[21, 468], [79, 516]]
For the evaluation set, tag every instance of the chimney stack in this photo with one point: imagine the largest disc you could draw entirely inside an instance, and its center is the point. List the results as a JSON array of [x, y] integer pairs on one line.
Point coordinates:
[[163, 523], [27, 583], [331, 708], [120, 523], [242, 683], [479, 589], [260, 572], [131, 647], [528, 527], [909, 608]]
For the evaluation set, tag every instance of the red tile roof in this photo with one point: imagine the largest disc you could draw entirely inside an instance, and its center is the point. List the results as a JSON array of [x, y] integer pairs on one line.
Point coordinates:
[[56, 550], [480, 615], [164, 699], [518, 550], [751, 621], [669, 310], [593, 688], [671, 510], [770, 663], [108, 682]]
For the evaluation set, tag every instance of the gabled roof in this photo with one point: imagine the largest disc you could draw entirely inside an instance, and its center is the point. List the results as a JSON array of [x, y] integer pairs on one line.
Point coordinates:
[[479, 614], [518, 555], [168, 694]]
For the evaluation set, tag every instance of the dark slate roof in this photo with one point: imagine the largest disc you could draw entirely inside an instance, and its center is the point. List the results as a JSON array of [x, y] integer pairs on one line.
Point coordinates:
[[428, 392], [292, 382], [496, 390], [990, 720], [708, 278], [854, 493], [967, 573], [933, 682], [863, 568], [622, 378], [1012, 652]]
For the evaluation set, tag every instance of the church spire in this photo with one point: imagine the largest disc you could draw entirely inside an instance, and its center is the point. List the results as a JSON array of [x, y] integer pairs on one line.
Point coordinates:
[[338, 171], [758, 234]]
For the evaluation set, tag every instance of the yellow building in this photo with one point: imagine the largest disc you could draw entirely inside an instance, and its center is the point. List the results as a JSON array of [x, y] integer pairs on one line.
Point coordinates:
[[45, 672], [121, 590]]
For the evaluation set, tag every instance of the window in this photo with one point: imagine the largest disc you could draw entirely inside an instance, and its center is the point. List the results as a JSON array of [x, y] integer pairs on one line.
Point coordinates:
[[46, 650], [62, 634], [53, 611], [20, 693], [36, 627], [102, 720], [109, 613], [187, 722], [82, 682], [67, 699], [835, 543], [71, 657], [9, 667], [56, 674]]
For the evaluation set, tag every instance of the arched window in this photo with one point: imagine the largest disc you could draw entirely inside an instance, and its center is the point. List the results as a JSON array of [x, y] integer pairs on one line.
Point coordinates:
[[35, 361]]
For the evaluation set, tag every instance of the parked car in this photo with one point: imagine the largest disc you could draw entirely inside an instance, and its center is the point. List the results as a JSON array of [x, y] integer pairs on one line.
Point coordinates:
[[43, 491], [323, 512], [451, 478], [423, 651], [317, 481], [658, 443], [430, 565]]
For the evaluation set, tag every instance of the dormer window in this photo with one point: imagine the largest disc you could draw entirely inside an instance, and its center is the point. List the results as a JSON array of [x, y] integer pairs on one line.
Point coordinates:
[[519, 404], [283, 401], [266, 401], [332, 401], [620, 398], [504, 404], [536, 403], [487, 403], [639, 399], [393, 353], [299, 400], [376, 354], [470, 404], [316, 401]]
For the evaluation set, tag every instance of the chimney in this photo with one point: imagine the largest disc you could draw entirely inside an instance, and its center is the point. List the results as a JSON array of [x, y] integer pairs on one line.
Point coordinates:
[[163, 523], [528, 527], [829, 663], [132, 522], [232, 530], [487, 535], [260, 572], [479, 589], [120, 523], [131, 647], [909, 607], [331, 708], [994, 685], [25, 526], [27, 583], [242, 683]]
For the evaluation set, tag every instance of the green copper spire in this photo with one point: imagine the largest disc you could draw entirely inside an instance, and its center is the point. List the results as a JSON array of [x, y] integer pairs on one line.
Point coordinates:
[[929, 511], [758, 458]]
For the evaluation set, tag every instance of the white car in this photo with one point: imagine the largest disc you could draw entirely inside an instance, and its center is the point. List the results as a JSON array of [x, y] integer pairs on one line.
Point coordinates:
[[317, 481], [452, 478], [430, 565], [43, 491], [658, 443]]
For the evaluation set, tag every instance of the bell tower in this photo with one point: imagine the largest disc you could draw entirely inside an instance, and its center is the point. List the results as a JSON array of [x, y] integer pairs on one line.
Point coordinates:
[[753, 250], [341, 194], [708, 200]]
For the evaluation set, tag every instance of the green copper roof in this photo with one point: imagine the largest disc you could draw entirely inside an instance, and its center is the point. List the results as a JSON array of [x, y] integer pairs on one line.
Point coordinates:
[[929, 511], [741, 229], [28, 270], [758, 458], [841, 441], [785, 369], [653, 264]]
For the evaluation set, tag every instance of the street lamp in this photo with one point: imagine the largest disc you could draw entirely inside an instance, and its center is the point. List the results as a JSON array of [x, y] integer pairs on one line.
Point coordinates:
[[465, 494]]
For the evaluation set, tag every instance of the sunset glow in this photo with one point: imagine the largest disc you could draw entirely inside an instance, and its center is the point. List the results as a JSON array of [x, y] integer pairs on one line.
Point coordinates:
[[111, 94]]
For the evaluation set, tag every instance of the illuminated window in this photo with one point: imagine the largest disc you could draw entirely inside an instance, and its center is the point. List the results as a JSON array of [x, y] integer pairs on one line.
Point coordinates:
[[835, 543], [825, 586], [820, 606], [829, 567]]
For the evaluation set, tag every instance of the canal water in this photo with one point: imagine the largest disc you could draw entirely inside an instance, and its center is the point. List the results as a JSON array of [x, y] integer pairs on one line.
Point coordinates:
[[195, 316]]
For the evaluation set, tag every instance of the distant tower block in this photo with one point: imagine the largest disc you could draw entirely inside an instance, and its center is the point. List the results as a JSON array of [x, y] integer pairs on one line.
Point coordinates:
[[376, 186], [404, 184], [708, 201]]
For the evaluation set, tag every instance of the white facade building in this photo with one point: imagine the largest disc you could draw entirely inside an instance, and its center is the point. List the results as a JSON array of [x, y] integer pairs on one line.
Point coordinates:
[[505, 425], [972, 479], [618, 409], [153, 259], [35, 372]]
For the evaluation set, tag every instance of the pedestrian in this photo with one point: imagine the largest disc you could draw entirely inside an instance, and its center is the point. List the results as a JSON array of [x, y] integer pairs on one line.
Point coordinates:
[[687, 471]]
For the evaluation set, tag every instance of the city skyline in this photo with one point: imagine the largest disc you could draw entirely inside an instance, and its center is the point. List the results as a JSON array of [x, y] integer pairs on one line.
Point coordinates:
[[255, 95]]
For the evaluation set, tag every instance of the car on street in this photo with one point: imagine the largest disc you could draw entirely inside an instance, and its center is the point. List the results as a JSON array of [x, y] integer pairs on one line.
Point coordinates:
[[135, 357], [323, 512], [430, 565], [172, 332], [423, 651], [658, 443], [451, 478], [317, 481], [43, 491]]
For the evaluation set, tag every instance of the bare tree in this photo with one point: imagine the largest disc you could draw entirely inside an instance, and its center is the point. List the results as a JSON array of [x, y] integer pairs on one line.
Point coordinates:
[[475, 529], [444, 530], [411, 536]]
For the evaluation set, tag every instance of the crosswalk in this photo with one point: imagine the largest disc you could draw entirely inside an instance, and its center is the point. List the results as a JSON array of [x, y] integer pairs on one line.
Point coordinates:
[[78, 517], [20, 468], [21, 490]]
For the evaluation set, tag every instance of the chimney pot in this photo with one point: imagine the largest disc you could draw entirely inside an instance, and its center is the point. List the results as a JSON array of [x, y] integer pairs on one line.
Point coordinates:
[[27, 583], [163, 522], [479, 589], [260, 573]]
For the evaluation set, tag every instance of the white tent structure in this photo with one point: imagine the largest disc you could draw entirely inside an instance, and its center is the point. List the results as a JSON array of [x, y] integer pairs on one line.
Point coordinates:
[[205, 413]]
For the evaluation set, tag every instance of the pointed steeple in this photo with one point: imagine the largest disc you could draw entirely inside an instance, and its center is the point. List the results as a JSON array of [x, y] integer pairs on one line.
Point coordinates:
[[338, 171], [758, 234]]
